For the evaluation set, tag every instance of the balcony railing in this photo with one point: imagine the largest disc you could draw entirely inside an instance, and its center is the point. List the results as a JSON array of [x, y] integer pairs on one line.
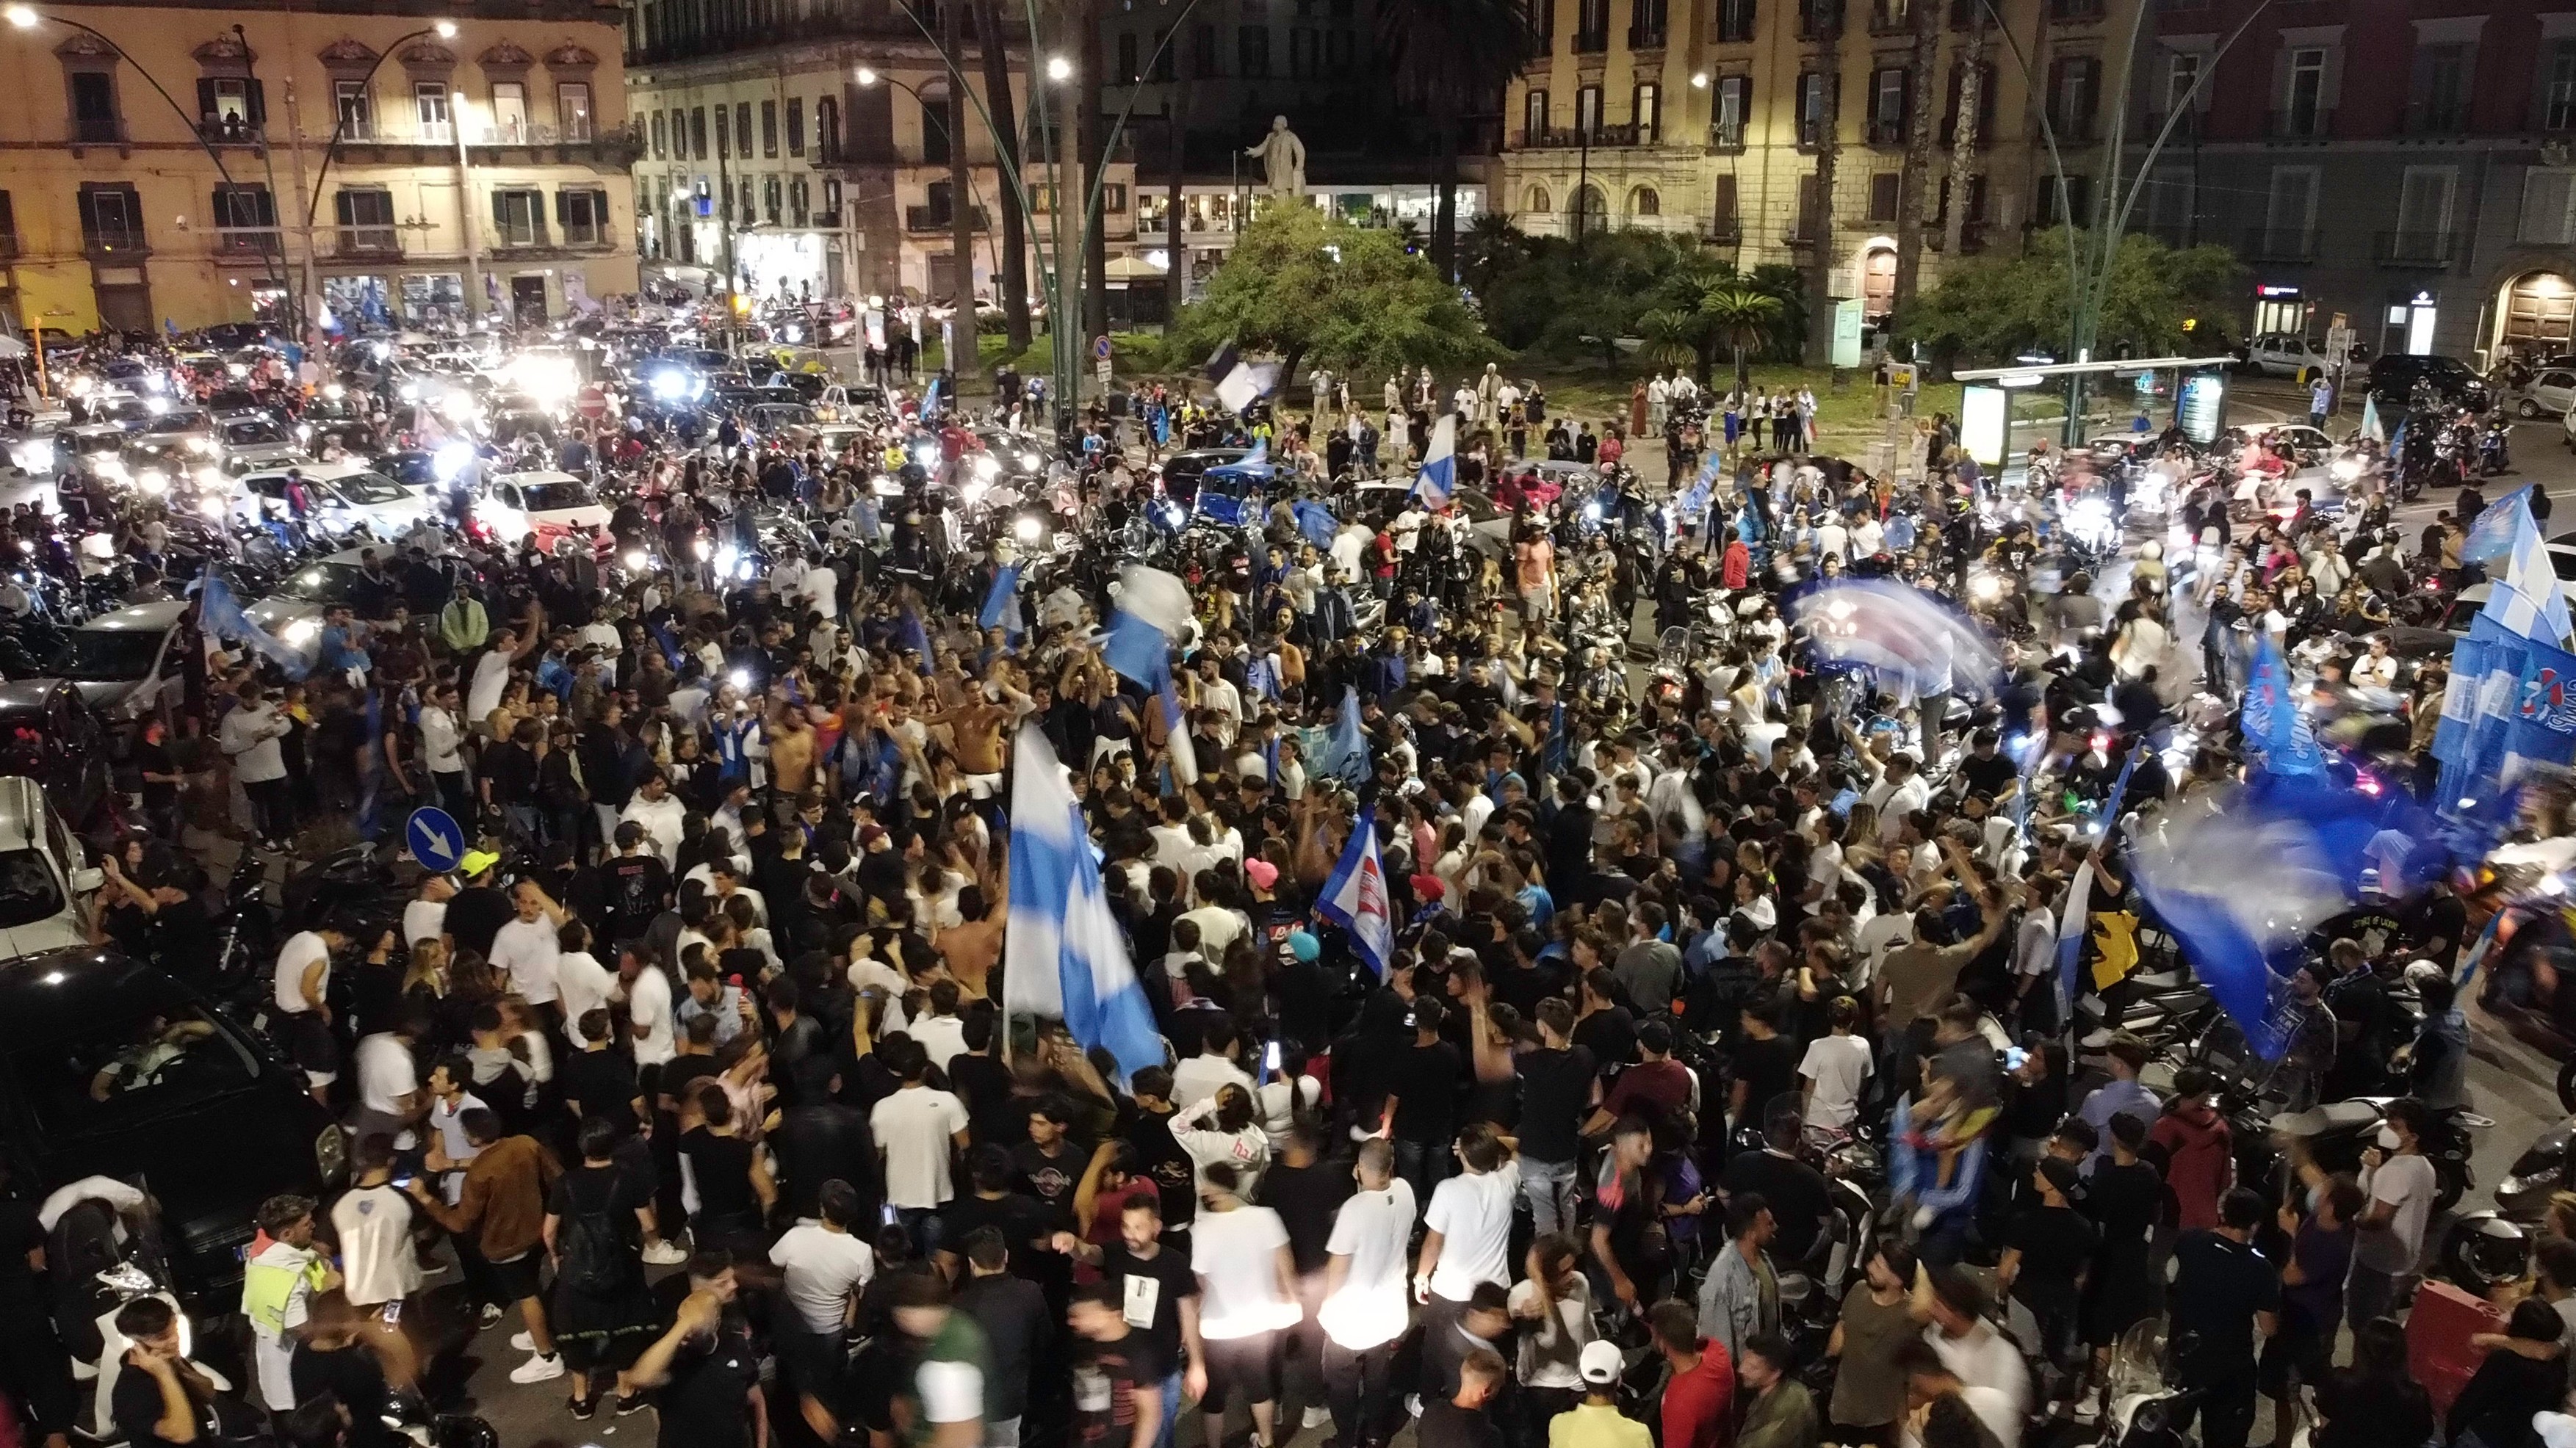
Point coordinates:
[[2300, 123], [98, 130], [1645, 37], [1566, 137], [104, 241], [2265, 244], [1735, 25], [1891, 17], [1884, 132], [2425, 118], [228, 131], [366, 241], [249, 241], [2414, 248], [935, 219]]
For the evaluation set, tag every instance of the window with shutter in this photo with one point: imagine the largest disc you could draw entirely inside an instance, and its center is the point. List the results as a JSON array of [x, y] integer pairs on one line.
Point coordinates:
[[827, 131], [724, 133], [2548, 208], [1882, 196], [769, 128], [795, 125], [1721, 210], [429, 110], [2557, 102], [94, 115]]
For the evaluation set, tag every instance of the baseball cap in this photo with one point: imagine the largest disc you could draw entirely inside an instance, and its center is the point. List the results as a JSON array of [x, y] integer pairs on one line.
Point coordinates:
[[476, 862], [1601, 1362], [1261, 872]]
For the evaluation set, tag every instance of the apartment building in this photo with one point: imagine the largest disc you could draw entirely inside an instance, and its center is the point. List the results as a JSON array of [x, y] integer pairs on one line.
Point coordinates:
[[805, 149], [184, 165]]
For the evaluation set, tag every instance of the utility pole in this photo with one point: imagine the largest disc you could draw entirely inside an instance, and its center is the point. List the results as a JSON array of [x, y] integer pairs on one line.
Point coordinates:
[[476, 302], [295, 140], [961, 191]]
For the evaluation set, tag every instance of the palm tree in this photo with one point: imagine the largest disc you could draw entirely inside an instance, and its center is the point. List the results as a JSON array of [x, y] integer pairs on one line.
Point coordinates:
[[1491, 246], [1453, 57], [1926, 15], [1820, 248], [1742, 318]]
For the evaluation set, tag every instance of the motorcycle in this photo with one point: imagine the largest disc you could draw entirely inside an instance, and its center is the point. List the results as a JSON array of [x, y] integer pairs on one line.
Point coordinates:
[[2495, 448]]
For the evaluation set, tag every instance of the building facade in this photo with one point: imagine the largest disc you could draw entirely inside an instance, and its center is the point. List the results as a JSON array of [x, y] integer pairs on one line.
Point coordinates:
[[2407, 168], [321, 157], [809, 153]]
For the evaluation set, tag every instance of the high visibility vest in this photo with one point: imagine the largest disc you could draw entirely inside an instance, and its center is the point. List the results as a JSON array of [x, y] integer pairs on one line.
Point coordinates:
[[267, 1288]]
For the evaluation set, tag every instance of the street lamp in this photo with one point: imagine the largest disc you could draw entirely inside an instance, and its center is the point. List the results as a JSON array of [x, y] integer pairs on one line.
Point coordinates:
[[1059, 69], [962, 210], [27, 17]]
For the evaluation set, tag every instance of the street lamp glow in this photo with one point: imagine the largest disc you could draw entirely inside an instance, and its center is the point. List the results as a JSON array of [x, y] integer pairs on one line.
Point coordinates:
[[1699, 80], [447, 30], [1059, 68], [22, 16], [867, 76]]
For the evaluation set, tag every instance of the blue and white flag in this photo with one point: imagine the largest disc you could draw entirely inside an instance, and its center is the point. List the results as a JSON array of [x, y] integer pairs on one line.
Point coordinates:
[[1063, 956], [2527, 600], [2491, 533], [1315, 522], [2272, 720], [2371, 427], [2242, 942], [910, 634], [1002, 603], [2077, 921], [930, 399], [1345, 755], [1355, 898], [220, 614], [1239, 384], [1439, 476], [1152, 617]]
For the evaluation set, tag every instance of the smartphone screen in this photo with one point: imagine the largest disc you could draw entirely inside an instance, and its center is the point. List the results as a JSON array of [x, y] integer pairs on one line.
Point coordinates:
[[402, 1183]]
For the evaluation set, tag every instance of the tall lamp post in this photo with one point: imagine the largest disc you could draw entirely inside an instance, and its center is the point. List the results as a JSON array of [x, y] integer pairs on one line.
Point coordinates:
[[444, 30], [964, 204], [27, 17]]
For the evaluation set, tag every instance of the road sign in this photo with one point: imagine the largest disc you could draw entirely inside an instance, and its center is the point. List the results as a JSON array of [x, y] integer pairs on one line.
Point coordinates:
[[1100, 348], [2338, 347], [593, 402], [435, 838]]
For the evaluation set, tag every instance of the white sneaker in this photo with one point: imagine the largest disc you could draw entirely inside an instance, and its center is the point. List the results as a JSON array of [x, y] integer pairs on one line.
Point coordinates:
[[523, 1342], [1413, 1404], [538, 1370], [665, 1253], [1317, 1416]]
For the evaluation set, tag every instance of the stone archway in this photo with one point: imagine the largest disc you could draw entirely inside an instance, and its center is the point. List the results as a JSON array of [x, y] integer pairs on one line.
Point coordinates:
[[2536, 314]]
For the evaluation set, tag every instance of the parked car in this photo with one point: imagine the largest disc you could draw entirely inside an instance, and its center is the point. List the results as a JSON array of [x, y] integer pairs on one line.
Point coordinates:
[[253, 439], [45, 874], [49, 733], [112, 1067], [342, 495], [2394, 375], [2285, 354], [123, 662], [2549, 393]]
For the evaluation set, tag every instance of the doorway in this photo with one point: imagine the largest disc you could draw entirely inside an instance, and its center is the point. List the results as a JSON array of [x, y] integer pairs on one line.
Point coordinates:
[[127, 307], [1878, 282], [528, 299]]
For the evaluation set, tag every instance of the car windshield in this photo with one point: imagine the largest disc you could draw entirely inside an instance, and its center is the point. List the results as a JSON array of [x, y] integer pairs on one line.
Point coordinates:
[[110, 654], [252, 431], [102, 1075], [98, 442], [178, 422], [554, 497], [364, 488], [28, 890], [324, 583]]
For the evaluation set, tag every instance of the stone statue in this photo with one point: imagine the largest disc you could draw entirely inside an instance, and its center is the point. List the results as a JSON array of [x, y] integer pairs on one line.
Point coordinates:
[[1283, 160]]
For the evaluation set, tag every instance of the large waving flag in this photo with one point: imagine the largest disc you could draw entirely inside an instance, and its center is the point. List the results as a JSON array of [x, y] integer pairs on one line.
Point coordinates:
[[1002, 603], [1355, 898], [2527, 601], [2491, 533], [1439, 476], [1152, 617], [2272, 720], [220, 614], [1345, 754], [2371, 426], [1905, 634], [1062, 952]]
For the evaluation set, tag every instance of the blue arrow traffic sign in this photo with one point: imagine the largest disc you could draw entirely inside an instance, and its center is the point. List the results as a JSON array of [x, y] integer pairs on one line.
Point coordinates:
[[436, 840]]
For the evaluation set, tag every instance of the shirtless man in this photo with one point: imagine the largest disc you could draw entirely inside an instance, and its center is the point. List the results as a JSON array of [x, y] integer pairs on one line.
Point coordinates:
[[976, 730]]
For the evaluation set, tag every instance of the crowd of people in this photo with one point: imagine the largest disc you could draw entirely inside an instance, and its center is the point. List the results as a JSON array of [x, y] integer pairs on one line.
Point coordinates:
[[718, 988]]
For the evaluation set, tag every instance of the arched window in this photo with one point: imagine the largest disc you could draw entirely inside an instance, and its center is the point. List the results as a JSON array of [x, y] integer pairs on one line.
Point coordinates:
[[1588, 203], [1538, 199], [1644, 202]]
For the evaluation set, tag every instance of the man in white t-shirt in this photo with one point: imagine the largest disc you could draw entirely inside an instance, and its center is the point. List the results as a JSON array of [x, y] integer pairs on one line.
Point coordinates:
[[942, 1033], [450, 1151], [582, 984], [918, 1131], [1214, 1067], [527, 949], [303, 984], [1365, 1313], [378, 1264], [648, 1004], [389, 1095], [425, 918], [825, 1262], [1468, 1229], [2399, 1179], [1247, 1295], [1836, 1067]]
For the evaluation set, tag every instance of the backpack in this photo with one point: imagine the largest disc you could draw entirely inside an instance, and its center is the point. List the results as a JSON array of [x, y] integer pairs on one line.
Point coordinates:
[[591, 1245]]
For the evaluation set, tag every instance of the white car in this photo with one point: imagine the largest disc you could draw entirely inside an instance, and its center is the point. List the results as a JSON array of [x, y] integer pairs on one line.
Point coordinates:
[[247, 440], [2284, 354], [124, 662], [548, 508], [2548, 394], [44, 874], [343, 495]]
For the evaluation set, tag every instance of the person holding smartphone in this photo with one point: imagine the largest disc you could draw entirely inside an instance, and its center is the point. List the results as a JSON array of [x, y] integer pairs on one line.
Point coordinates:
[[378, 1264]]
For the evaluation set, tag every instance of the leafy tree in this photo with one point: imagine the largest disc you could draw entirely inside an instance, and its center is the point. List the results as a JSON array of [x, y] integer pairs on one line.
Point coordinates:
[[1490, 247], [1990, 309], [1452, 58], [1315, 288]]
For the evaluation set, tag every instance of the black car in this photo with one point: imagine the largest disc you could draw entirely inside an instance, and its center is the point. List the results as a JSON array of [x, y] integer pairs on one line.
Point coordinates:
[[110, 1067], [50, 734], [2393, 377]]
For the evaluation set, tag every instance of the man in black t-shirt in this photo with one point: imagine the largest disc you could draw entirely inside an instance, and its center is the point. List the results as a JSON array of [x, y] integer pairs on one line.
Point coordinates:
[[157, 1385], [1795, 1191], [1423, 1082], [1146, 1126], [2224, 1292], [1986, 769], [705, 1366], [634, 885], [1156, 1292], [1021, 1219], [1556, 1091], [1048, 1165], [1117, 1379]]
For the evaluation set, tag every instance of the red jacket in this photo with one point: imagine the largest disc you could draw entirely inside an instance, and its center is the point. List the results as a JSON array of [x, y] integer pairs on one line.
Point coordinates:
[[2197, 1163], [1699, 1405]]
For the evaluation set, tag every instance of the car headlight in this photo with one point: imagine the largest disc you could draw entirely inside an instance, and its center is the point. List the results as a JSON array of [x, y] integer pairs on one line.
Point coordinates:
[[212, 505], [301, 632], [155, 481], [1028, 530], [331, 1154]]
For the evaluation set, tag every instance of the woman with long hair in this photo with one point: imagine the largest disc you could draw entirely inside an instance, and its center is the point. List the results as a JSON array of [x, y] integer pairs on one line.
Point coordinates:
[[1553, 1308]]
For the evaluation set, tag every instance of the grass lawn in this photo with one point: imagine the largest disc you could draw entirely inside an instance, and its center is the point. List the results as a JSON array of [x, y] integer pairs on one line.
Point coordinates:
[[1848, 420]]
